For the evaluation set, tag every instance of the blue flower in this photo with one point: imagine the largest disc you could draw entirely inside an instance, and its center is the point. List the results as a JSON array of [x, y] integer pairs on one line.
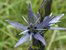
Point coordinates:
[[48, 23], [35, 28], [29, 30]]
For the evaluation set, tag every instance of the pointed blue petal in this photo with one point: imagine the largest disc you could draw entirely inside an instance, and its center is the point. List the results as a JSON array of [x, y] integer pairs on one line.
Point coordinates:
[[46, 18], [46, 21], [56, 19], [38, 25], [23, 39], [40, 38], [30, 15], [57, 28], [17, 25]]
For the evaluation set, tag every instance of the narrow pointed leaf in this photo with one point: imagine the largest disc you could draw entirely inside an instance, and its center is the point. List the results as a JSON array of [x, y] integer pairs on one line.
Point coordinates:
[[17, 25], [31, 36], [56, 19], [40, 38], [57, 28], [23, 39], [30, 15]]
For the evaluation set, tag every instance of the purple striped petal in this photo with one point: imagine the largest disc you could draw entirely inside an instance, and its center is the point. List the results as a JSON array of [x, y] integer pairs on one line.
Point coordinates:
[[57, 28], [17, 25], [56, 19], [23, 39], [46, 18], [30, 15], [46, 21], [40, 38]]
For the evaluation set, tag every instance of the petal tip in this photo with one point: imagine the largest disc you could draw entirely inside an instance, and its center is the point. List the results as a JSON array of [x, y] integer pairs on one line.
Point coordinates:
[[62, 14]]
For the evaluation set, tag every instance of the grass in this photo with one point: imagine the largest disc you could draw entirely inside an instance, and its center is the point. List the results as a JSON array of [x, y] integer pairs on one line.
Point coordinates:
[[14, 9]]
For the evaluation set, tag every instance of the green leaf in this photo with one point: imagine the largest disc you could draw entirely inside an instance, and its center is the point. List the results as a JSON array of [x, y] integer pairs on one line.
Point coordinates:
[[45, 8]]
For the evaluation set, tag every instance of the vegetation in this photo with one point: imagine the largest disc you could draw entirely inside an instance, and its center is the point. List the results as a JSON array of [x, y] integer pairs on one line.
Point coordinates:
[[14, 10]]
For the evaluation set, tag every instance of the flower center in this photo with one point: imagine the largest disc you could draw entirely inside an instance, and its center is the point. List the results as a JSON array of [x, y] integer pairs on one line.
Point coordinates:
[[31, 29]]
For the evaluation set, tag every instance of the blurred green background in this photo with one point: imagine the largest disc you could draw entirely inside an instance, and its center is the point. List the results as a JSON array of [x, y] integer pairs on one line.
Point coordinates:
[[15, 9]]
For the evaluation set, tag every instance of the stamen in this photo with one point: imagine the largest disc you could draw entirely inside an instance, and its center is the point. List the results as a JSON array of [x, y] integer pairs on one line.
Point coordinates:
[[37, 20], [25, 19], [41, 29], [24, 32], [50, 15]]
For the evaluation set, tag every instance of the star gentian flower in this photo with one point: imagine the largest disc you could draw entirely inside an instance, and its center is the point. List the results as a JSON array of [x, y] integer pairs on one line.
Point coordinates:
[[35, 28], [29, 30]]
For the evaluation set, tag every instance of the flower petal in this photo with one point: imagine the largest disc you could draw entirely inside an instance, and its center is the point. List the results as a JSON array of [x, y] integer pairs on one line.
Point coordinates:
[[46, 21], [17, 25], [23, 39], [57, 28], [40, 38], [30, 15], [56, 19]]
